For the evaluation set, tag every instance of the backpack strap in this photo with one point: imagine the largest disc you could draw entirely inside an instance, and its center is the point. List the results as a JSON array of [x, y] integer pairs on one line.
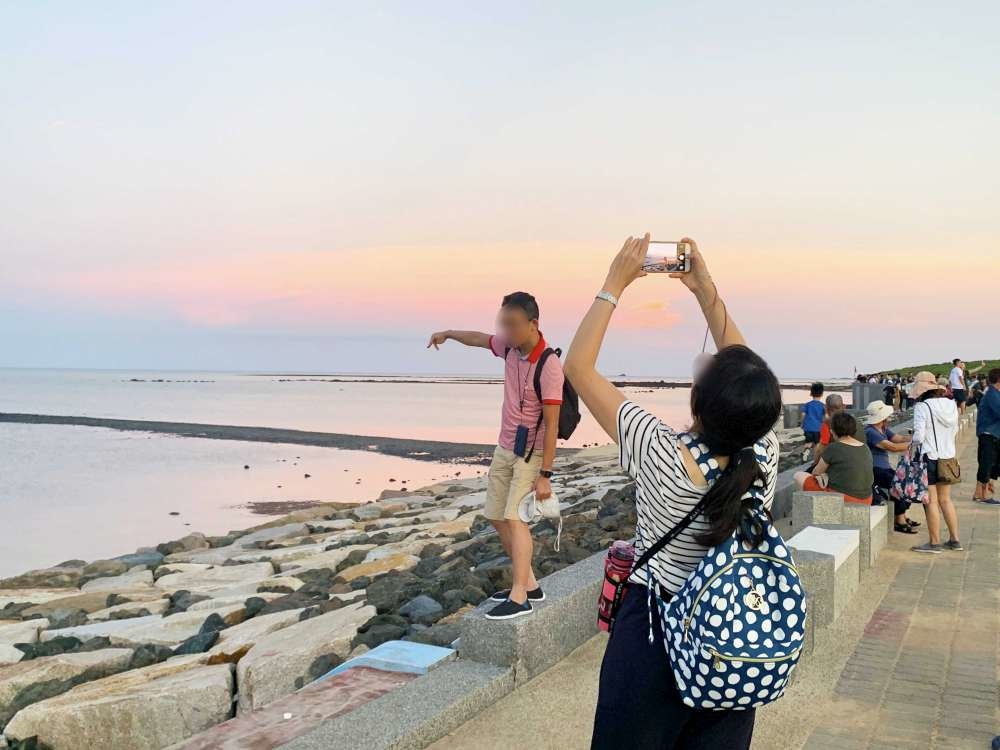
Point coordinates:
[[537, 382]]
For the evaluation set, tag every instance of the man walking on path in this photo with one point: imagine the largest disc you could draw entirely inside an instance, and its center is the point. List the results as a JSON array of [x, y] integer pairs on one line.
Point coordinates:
[[988, 435], [526, 449]]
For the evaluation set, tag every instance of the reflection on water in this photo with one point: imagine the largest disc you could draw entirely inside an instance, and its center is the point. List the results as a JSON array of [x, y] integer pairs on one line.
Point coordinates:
[[82, 492]]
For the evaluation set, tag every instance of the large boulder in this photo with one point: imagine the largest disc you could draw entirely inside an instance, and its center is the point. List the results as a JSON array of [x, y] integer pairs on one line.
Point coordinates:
[[10, 655], [136, 578], [22, 631], [130, 609], [213, 579], [147, 557], [234, 642], [32, 681], [143, 709], [329, 559], [287, 659], [219, 555], [164, 631], [368, 512], [397, 561], [89, 602], [60, 576]]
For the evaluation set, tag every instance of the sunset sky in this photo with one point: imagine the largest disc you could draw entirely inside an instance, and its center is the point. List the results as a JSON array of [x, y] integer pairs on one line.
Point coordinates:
[[316, 186]]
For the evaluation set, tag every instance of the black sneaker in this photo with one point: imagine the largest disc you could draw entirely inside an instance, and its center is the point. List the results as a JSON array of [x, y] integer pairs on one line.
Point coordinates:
[[954, 545], [535, 595], [508, 610]]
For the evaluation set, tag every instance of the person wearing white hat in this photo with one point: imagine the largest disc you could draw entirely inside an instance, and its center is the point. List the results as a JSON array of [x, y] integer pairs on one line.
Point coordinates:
[[881, 442], [935, 424]]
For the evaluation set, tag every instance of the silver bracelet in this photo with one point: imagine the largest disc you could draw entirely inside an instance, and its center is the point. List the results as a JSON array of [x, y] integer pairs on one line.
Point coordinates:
[[607, 297]]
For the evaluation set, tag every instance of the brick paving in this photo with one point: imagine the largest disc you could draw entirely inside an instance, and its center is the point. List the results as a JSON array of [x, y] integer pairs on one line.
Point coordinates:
[[925, 671]]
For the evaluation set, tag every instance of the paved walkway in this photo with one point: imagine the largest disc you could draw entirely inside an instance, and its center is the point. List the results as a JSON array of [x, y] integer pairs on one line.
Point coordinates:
[[924, 672], [911, 663]]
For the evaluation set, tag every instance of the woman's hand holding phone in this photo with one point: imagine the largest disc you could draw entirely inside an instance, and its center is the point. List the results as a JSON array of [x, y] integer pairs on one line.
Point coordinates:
[[627, 265], [698, 279]]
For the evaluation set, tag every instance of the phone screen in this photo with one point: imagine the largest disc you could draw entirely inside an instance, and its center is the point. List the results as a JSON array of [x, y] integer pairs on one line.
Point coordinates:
[[667, 257]]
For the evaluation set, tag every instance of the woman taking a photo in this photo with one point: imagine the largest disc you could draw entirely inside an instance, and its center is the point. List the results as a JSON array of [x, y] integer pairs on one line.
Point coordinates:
[[735, 401]]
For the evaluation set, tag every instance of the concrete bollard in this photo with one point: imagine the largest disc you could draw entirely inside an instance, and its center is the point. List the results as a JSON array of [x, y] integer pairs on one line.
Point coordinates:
[[827, 558], [791, 414], [872, 523], [810, 508]]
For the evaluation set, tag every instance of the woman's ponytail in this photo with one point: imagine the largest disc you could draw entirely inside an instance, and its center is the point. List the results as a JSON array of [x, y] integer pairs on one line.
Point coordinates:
[[724, 507]]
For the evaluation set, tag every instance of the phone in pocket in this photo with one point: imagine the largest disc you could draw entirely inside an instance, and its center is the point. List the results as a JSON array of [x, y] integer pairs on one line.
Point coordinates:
[[521, 440]]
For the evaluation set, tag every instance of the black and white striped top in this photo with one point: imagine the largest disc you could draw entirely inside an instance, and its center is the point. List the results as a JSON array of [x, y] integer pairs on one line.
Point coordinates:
[[649, 451]]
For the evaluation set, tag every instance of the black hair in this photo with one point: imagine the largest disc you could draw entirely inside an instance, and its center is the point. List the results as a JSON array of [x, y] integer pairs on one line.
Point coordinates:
[[933, 393], [843, 424], [816, 389], [956, 360], [524, 301], [994, 376], [735, 402]]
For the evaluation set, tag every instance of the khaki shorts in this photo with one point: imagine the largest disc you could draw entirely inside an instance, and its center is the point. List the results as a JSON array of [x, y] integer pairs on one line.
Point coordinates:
[[510, 479]]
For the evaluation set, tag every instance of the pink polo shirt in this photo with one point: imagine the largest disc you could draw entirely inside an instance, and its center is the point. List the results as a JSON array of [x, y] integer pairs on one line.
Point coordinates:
[[518, 379]]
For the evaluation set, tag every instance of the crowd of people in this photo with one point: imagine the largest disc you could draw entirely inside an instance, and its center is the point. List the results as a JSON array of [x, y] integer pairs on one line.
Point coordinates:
[[852, 456], [897, 389]]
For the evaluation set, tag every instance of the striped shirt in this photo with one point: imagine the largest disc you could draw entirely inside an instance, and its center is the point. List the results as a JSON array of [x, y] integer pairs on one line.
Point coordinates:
[[649, 451]]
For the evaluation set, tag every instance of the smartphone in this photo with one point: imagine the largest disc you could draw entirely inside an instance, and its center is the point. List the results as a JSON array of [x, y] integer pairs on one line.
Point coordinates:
[[667, 257]]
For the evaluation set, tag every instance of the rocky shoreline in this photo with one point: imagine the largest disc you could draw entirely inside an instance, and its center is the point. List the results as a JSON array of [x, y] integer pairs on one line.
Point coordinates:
[[233, 622], [212, 626]]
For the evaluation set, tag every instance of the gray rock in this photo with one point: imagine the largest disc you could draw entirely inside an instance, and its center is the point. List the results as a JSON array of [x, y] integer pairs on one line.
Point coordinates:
[[136, 578], [422, 609], [150, 558], [66, 618], [198, 644], [100, 568], [149, 654], [367, 512]]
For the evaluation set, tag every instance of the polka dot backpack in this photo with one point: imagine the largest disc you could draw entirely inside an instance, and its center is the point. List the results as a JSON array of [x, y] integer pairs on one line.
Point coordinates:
[[734, 631]]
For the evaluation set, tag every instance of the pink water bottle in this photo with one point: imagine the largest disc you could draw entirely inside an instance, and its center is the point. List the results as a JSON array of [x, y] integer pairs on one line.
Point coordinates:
[[617, 568]]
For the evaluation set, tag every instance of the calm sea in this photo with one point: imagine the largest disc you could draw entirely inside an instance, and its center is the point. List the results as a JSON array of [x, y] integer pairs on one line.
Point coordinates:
[[81, 492]]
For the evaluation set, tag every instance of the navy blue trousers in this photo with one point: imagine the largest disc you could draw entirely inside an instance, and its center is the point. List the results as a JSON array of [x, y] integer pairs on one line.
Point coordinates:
[[638, 706]]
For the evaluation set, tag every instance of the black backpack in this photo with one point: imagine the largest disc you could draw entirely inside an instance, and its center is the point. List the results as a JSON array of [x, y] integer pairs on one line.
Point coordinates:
[[569, 412]]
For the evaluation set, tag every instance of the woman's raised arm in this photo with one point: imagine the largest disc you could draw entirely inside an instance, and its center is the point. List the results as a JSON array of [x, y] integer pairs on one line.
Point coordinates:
[[699, 281], [597, 392]]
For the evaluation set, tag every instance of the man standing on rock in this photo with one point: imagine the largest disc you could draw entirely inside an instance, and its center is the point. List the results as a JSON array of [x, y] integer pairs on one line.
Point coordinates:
[[517, 468]]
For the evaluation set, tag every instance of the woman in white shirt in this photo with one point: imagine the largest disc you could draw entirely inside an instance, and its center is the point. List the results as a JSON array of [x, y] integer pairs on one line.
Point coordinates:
[[935, 425], [735, 401]]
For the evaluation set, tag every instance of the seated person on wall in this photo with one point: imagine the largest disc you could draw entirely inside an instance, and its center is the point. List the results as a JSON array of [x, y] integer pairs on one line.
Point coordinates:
[[834, 404], [882, 441], [846, 465]]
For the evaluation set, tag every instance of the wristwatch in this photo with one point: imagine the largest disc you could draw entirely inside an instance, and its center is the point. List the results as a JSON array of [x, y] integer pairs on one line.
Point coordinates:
[[545, 473], [607, 297]]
